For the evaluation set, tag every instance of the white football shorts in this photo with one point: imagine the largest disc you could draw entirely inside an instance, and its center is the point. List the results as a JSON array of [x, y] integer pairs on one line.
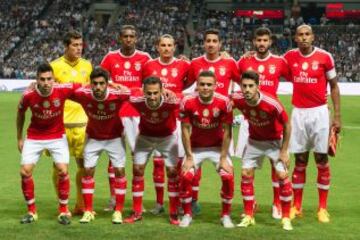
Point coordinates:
[[310, 129], [115, 148], [255, 151], [32, 150], [166, 146]]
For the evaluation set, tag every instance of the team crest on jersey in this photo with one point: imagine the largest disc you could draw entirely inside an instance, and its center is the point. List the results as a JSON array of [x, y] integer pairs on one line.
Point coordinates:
[[46, 104], [222, 71], [216, 112], [56, 102], [127, 65], [212, 69], [315, 65], [305, 66], [154, 114], [137, 66], [100, 106], [253, 113], [205, 112], [165, 114], [272, 69], [174, 72], [112, 106], [263, 115], [83, 73], [261, 68], [164, 72]]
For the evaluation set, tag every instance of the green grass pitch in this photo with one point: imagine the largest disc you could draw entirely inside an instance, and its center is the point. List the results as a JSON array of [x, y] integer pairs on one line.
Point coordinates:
[[344, 196]]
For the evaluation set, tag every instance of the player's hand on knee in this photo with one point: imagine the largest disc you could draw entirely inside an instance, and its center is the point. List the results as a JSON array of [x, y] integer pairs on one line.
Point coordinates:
[[188, 164], [225, 166], [284, 158]]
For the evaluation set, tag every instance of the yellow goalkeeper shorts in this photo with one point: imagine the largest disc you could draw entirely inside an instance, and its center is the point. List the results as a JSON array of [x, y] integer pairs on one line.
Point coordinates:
[[76, 140]]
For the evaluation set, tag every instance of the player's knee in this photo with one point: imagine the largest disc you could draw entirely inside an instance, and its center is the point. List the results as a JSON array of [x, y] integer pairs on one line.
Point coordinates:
[[119, 172], [302, 158], [171, 172], [321, 158], [89, 172], [25, 172], [62, 169], [281, 175], [80, 162], [247, 172], [138, 170]]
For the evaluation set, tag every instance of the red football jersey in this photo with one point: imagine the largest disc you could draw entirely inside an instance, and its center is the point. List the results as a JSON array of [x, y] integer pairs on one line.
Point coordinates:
[[309, 75], [126, 70], [160, 122], [104, 122], [225, 70], [270, 69], [47, 112], [266, 118], [206, 119], [172, 75]]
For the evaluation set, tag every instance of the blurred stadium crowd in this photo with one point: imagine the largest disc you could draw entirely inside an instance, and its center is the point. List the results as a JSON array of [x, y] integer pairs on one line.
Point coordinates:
[[32, 32]]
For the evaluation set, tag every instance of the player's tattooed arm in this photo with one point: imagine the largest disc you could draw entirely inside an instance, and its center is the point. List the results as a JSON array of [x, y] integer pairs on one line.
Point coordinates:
[[335, 97], [185, 134], [20, 120], [224, 164]]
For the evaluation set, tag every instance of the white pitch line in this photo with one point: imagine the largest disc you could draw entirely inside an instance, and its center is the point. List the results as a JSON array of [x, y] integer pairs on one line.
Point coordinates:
[[352, 127]]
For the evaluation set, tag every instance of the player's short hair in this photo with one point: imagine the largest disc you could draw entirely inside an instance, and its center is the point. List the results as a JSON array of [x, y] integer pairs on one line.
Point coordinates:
[[127, 27], [212, 31], [169, 36], [207, 74], [73, 34], [261, 31], [44, 67], [151, 81], [304, 26], [99, 72], [250, 74]]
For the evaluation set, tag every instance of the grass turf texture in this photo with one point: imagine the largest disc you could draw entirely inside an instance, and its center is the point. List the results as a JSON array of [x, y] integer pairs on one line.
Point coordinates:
[[343, 198]]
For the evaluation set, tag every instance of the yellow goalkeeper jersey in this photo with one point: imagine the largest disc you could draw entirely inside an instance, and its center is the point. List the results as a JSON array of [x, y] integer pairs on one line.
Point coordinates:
[[72, 72]]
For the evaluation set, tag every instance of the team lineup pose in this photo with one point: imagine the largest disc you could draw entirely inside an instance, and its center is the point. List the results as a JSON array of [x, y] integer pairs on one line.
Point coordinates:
[[226, 72], [125, 67], [269, 134], [173, 75], [157, 132], [154, 122], [205, 114], [71, 68], [311, 69], [270, 68], [46, 132]]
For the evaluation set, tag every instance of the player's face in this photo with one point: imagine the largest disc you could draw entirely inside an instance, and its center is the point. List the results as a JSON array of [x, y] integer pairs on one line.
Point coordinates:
[[304, 37], [74, 49], [206, 88], [128, 39], [262, 44], [249, 89], [212, 44], [166, 48], [45, 82], [152, 94], [99, 86]]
